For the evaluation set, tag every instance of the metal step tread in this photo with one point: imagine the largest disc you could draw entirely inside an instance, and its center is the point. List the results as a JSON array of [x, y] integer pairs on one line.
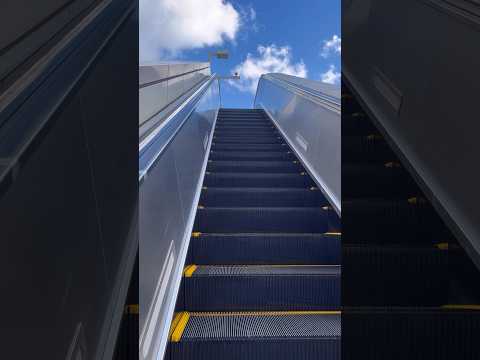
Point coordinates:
[[263, 270], [265, 248], [252, 326]]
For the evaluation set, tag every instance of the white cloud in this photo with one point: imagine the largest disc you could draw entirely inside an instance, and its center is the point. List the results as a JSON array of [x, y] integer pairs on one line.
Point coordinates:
[[169, 26], [331, 76], [271, 59], [332, 46]]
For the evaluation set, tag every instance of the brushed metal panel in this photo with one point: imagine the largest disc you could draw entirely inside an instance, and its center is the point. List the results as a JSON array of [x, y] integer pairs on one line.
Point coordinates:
[[161, 228], [152, 99], [311, 128], [433, 134], [151, 73], [169, 192]]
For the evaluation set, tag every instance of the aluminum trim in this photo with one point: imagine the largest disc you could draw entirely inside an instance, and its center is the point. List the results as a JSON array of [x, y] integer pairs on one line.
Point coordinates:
[[325, 101], [170, 78], [192, 100]]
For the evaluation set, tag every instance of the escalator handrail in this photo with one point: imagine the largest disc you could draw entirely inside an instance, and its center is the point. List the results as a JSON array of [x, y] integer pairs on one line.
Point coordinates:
[[329, 102], [152, 147]]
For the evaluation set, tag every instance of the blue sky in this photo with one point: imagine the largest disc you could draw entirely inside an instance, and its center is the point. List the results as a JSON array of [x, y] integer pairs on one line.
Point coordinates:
[[299, 37]]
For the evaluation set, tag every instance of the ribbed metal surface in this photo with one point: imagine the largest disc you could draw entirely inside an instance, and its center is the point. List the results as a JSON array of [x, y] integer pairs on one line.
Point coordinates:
[[263, 180], [238, 327], [410, 333], [259, 219], [395, 275], [254, 166], [211, 270], [265, 197], [372, 220], [265, 249], [251, 155]]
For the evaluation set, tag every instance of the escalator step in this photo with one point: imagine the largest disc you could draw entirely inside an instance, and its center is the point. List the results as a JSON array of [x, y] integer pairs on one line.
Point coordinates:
[[254, 166], [248, 140], [371, 180], [237, 130], [252, 126], [267, 219], [394, 276], [245, 132], [247, 136], [377, 221], [410, 333], [261, 287], [244, 119], [126, 347], [249, 249], [264, 180], [356, 124], [257, 336], [250, 147], [370, 148], [267, 197], [251, 155]]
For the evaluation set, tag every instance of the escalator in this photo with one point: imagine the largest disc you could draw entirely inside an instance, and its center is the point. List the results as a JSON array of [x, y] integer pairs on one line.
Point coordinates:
[[262, 276], [409, 290]]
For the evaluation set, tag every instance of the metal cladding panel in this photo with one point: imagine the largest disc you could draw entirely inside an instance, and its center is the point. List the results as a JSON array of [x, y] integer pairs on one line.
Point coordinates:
[[161, 227], [192, 140], [166, 217], [151, 73], [35, 225], [151, 99], [61, 216], [423, 102], [27, 34], [175, 88], [162, 84], [312, 129]]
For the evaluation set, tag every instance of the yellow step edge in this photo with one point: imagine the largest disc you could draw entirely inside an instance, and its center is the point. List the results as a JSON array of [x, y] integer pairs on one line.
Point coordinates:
[[462, 307], [358, 114], [189, 270], [416, 200], [175, 320], [333, 233], [180, 327], [267, 313], [392, 164], [374, 137], [132, 309], [196, 234], [442, 246]]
